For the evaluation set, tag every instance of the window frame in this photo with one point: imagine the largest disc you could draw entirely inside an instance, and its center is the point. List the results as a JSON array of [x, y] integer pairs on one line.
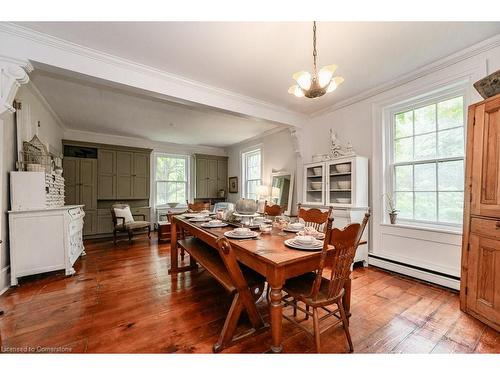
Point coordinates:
[[433, 97], [187, 159], [243, 156]]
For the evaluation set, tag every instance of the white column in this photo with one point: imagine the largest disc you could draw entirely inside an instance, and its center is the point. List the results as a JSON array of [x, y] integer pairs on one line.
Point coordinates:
[[13, 74]]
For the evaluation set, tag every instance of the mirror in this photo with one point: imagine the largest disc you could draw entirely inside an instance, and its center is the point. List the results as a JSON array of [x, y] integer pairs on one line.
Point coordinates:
[[282, 190]]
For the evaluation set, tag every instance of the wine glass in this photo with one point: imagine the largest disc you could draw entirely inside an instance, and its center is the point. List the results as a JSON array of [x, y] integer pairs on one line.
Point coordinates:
[[282, 222]]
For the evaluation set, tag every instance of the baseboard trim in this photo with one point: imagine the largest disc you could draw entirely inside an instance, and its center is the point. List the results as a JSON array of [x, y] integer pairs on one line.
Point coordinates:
[[4, 279], [417, 273]]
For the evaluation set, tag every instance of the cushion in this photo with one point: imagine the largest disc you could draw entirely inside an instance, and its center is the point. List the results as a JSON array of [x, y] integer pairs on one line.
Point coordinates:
[[137, 225], [125, 213]]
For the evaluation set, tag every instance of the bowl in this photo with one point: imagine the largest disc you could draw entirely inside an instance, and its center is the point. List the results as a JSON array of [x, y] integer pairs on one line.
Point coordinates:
[[316, 185], [305, 240], [172, 204], [343, 200], [344, 184], [241, 230], [343, 168], [297, 226], [214, 222], [317, 171]]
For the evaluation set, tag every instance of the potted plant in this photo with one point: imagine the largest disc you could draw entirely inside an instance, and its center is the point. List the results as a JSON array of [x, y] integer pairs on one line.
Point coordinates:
[[391, 206]]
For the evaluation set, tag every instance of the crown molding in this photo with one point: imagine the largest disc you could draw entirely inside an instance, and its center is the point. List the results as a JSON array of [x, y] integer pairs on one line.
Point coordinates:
[[70, 47], [157, 146], [436, 66], [258, 137]]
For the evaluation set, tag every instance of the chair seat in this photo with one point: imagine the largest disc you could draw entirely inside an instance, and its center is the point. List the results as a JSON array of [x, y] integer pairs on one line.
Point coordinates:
[[134, 225], [300, 287], [163, 223]]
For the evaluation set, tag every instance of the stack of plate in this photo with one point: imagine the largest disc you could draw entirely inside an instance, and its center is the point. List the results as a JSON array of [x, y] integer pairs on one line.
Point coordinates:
[[214, 224], [241, 234], [304, 243], [199, 218]]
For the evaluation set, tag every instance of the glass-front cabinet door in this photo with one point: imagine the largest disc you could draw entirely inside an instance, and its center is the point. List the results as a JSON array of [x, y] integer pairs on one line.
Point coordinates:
[[341, 184], [314, 184]]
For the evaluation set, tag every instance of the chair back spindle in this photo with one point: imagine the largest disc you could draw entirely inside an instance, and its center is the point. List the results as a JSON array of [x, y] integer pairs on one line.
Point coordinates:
[[314, 217], [339, 260]]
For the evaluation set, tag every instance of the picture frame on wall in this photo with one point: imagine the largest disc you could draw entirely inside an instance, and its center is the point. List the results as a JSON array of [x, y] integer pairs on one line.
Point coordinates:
[[233, 184]]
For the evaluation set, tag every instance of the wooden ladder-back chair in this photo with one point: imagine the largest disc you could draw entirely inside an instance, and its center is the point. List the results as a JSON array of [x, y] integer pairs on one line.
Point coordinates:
[[198, 206], [274, 210], [313, 217], [325, 286]]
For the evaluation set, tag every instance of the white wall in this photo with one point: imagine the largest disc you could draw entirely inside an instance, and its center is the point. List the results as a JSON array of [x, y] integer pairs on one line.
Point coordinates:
[[277, 154], [361, 123], [34, 109]]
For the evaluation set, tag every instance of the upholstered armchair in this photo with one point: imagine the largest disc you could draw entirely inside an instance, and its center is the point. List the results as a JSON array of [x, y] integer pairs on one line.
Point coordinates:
[[123, 221]]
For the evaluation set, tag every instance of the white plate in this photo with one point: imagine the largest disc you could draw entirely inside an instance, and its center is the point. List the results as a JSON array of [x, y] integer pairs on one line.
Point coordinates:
[[288, 229], [231, 234], [199, 219], [319, 236], [318, 245], [193, 214], [218, 225]]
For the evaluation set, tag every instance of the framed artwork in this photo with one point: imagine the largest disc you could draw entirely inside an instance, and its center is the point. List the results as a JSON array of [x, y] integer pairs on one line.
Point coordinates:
[[233, 184]]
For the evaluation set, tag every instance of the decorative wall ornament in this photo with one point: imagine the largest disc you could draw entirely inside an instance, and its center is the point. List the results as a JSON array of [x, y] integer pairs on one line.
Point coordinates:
[[337, 149], [13, 74], [296, 141]]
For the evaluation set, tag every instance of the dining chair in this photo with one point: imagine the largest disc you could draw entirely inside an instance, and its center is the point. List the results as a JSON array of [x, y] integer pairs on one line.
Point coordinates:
[[198, 206], [125, 222], [274, 210], [313, 217], [246, 286], [325, 287]]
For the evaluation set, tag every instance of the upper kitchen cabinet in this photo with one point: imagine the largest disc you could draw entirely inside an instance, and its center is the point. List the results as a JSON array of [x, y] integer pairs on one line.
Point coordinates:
[[122, 172], [484, 152], [210, 176]]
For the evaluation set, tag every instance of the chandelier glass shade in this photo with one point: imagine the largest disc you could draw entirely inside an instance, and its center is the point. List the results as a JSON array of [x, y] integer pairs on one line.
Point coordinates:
[[319, 82]]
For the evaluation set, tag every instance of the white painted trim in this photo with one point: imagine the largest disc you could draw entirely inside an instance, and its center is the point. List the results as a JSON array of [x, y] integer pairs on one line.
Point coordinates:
[[172, 80], [418, 274], [46, 104], [258, 137], [165, 147], [4, 279], [441, 64]]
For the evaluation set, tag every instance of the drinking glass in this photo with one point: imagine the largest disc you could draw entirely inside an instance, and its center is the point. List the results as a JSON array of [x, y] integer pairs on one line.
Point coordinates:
[[282, 222]]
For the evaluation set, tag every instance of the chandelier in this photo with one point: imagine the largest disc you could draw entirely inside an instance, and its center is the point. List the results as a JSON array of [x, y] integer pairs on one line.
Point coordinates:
[[318, 83]]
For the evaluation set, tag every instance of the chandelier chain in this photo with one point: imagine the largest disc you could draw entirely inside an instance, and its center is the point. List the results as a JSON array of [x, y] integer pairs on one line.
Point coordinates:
[[314, 47]]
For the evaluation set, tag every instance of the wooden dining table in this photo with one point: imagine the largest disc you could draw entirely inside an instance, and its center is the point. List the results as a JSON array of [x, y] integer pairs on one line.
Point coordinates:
[[267, 255]]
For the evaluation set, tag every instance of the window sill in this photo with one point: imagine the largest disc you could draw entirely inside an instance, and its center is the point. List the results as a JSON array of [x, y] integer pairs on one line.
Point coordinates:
[[429, 228]]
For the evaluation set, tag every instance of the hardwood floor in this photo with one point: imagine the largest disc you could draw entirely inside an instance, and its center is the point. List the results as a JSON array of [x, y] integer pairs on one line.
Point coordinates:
[[122, 300]]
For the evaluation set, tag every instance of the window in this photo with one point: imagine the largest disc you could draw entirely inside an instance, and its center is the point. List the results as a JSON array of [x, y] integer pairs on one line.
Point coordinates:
[[171, 179], [252, 171], [428, 161]]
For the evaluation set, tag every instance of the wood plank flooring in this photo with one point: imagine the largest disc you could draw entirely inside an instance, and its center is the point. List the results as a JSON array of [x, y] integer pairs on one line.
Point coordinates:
[[121, 300]]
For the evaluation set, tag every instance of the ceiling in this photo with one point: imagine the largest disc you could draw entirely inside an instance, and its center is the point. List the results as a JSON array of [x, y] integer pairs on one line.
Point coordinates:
[[88, 106], [257, 59]]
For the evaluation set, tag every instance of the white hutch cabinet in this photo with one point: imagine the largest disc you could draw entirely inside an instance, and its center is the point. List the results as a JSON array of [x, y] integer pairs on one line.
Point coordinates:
[[343, 184]]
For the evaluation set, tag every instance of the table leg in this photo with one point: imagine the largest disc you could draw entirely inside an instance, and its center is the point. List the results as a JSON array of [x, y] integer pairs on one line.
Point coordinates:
[[174, 256], [276, 311]]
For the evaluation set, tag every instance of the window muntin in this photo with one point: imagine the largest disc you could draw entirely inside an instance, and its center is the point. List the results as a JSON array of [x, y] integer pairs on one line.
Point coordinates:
[[252, 170], [171, 179], [428, 162]]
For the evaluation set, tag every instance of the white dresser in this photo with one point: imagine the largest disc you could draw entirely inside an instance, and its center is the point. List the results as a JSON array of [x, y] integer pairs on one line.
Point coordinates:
[[43, 240]]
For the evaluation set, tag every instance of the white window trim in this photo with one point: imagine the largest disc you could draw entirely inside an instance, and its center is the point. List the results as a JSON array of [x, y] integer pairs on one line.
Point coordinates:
[[188, 177], [449, 92], [243, 152]]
